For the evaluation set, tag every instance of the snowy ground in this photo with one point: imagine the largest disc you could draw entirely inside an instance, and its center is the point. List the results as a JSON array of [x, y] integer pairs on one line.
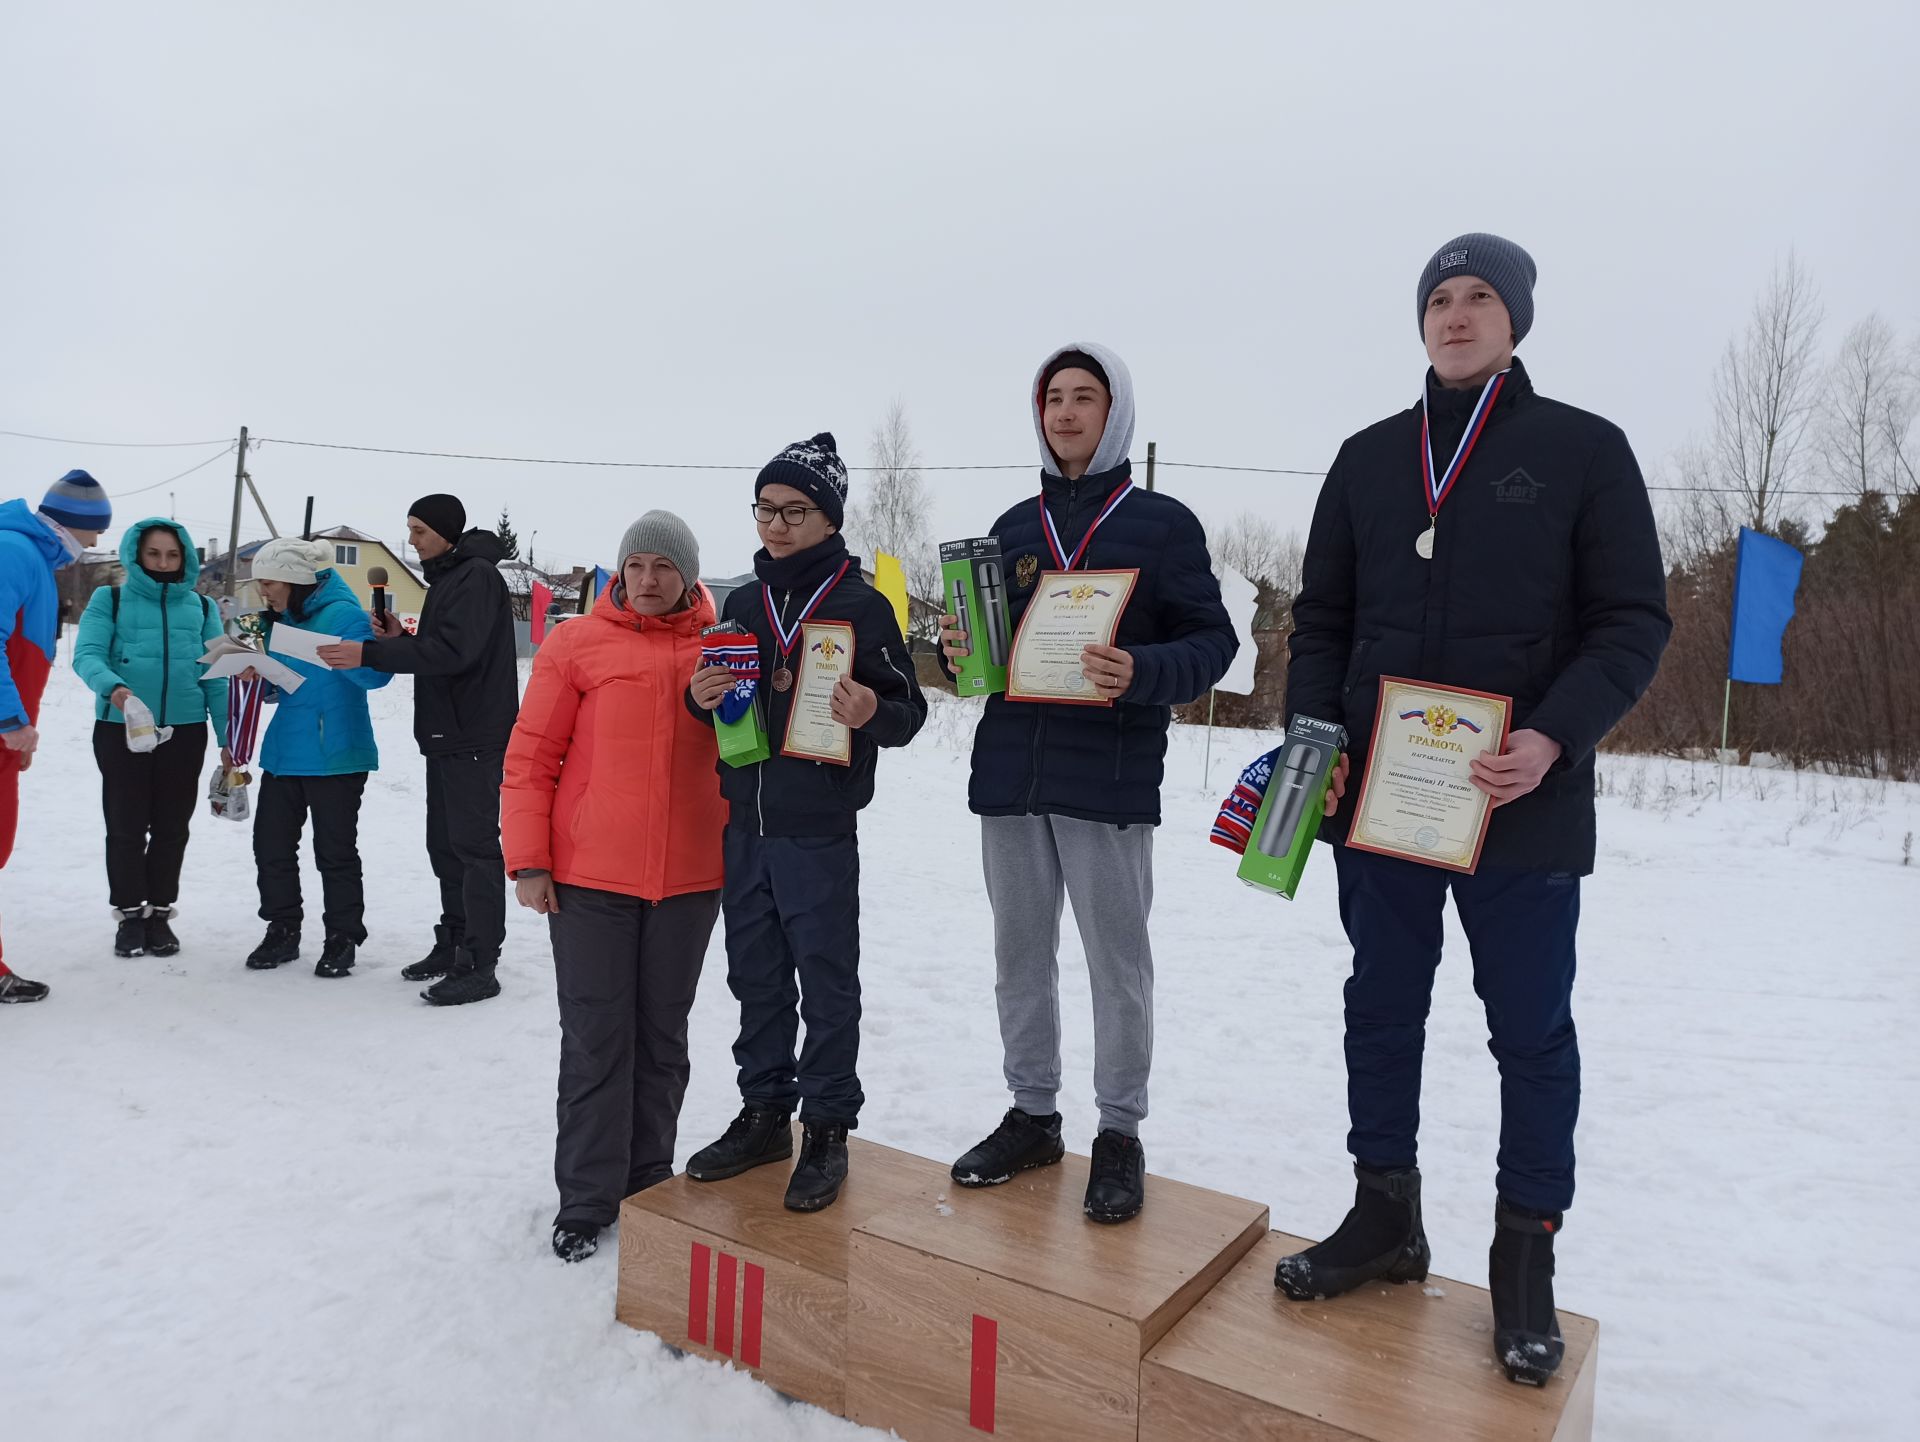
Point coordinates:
[[264, 1205]]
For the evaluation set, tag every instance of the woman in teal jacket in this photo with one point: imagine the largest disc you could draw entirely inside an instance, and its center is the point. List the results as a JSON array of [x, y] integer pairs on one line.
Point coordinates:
[[318, 750], [144, 638]]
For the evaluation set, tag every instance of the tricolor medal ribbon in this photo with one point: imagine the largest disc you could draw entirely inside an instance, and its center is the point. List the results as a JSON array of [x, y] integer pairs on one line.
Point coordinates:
[[1060, 557], [1439, 486]]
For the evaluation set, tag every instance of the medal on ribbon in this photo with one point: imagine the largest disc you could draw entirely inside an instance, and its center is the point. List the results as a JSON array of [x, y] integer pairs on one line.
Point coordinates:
[[1439, 487], [789, 636], [1060, 558]]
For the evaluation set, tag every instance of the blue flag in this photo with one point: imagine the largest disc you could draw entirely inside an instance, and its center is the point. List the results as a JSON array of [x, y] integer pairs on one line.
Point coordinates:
[[1764, 580], [601, 578]]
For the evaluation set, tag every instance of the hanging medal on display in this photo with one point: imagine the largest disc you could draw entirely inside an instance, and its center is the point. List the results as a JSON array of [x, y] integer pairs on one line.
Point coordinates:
[[1439, 487], [1060, 557], [789, 636]]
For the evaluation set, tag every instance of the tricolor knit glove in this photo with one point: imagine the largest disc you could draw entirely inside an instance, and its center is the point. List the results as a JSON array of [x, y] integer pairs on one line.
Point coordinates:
[[1234, 829], [743, 659]]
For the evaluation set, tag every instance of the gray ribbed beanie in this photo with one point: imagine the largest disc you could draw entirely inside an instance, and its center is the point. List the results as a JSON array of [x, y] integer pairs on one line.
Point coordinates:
[[661, 533], [1500, 263]]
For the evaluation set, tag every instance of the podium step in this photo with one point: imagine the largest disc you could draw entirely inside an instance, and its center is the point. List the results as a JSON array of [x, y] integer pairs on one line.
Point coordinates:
[[1383, 1363]]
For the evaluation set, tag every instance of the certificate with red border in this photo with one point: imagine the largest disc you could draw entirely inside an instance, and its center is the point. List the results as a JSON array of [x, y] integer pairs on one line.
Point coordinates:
[[826, 654], [1417, 800], [1069, 611]]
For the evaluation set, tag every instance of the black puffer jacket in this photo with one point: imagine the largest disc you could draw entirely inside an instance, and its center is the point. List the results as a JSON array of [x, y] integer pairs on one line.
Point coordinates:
[[1546, 585], [467, 691]]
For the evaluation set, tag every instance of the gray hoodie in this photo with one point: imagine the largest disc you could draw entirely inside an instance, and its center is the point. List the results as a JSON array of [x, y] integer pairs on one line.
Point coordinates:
[[1117, 440]]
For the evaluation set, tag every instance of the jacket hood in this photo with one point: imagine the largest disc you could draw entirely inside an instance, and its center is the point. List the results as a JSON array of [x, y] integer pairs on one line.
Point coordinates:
[[130, 552], [612, 608], [482, 546], [19, 516], [1117, 440]]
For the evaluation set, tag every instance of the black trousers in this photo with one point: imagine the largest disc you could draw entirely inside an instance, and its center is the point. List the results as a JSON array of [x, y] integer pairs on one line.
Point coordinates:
[[626, 971], [463, 843], [278, 816], [148, 799], [793, 955]]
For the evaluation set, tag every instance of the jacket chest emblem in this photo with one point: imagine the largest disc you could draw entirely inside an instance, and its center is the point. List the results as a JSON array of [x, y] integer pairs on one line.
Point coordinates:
[[1026, 570], [1517, 488]]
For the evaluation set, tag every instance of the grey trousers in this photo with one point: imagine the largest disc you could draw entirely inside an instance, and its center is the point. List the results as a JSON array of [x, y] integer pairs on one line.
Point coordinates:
[[626, 971], [1033, 864]]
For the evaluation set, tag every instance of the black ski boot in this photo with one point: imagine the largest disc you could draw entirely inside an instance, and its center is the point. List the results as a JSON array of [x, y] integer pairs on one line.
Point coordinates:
[[575, 1243], [436, 963], [822, 1169], [752, 1139], [469, 981], [1380, 1240], [131, 937], [1019, 1142], [336, 957], [1526, 1330], [160, 938], [16, 989], [1117, 1187], [282, 945]]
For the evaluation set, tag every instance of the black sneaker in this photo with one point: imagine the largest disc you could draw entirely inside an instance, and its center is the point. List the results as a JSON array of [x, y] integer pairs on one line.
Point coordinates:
[[1019, 1142], [436, 963], [1117, 1187], [16, 989], [336, 957], [282, 945], [130, 939], [160, 938], [752, 1139], [822, 1169], [467, 982], [1381, 1240], [573, 1243], [1526, 1329]]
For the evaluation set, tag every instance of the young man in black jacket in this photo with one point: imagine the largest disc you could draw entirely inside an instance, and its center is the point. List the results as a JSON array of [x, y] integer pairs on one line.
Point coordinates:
[[1068, 795], [792, 894], [1492, 539], [466, 695]]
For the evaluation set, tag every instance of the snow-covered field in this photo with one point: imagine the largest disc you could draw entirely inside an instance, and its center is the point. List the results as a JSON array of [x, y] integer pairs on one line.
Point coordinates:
[[268, 1206]]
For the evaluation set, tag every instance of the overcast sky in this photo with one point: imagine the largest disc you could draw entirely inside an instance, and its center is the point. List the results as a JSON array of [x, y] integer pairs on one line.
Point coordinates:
[[695, 233]]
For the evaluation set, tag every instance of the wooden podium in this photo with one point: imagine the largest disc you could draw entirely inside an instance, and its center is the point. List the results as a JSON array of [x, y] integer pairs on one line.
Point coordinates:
[[1006, 1311], [1383, 1363]]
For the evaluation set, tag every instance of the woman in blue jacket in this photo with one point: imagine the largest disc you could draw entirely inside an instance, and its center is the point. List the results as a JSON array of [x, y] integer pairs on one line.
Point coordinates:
[[315, 759], [144, 639]]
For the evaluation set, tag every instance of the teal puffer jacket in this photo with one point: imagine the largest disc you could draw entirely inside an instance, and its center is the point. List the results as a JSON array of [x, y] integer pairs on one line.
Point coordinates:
[[153, 646], [323, 729]]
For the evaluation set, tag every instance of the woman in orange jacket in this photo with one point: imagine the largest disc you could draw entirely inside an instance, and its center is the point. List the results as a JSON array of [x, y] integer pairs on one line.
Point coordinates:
[[610, 818]]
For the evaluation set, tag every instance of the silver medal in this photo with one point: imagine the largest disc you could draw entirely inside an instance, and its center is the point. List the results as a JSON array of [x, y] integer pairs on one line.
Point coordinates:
[[1423, 547]]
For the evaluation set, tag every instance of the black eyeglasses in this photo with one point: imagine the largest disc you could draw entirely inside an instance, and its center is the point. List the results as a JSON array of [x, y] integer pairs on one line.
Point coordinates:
[[793, 515]]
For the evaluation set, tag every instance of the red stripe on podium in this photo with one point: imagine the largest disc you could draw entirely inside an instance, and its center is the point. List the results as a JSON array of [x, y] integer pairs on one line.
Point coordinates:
[[754, 1291], [723, 1307], [986, 1368], [697, 1293]]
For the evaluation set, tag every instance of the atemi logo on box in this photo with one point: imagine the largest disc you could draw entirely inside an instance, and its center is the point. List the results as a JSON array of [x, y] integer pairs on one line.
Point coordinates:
[[723, 1273]]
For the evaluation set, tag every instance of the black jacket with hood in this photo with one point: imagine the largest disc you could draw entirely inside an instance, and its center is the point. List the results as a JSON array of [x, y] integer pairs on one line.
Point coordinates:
[[466, 691]]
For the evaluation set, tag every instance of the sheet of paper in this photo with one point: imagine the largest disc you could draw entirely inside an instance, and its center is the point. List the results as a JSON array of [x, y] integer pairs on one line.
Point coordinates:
[[234, 662], [300, 644]]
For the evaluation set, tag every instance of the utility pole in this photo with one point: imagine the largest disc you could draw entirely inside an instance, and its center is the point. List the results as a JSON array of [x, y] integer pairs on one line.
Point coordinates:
[[1151, 448], [233, 533], [306, 531]]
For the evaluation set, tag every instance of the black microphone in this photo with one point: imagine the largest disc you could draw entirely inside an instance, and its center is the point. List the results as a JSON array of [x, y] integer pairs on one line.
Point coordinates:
[[377, 578]]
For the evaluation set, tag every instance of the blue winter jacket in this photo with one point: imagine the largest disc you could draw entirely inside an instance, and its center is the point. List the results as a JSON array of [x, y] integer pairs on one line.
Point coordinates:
[[29, 601], [154, 644], [323, 729]]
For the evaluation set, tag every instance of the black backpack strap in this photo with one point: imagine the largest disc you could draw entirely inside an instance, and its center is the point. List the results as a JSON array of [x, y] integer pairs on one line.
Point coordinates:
[[116, 608]]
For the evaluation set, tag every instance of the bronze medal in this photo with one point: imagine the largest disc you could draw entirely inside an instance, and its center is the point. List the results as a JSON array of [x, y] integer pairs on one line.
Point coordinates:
[[783, 679]]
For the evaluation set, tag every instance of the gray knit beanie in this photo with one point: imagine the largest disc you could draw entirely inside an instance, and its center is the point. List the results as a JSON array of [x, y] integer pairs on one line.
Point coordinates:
[[1500, 263], [661, 533]]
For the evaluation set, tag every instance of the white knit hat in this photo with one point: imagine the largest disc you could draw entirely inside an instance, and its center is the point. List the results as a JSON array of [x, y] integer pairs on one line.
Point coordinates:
[[288, 558]]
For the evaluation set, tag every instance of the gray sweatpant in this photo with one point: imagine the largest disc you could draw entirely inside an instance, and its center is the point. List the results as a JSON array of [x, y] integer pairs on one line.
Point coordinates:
[[1033, 863]]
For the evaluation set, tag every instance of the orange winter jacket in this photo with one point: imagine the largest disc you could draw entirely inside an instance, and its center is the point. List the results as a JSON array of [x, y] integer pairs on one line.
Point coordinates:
[[610, 783]]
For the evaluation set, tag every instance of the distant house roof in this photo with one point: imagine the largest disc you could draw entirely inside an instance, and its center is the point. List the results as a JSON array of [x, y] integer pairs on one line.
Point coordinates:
[[216, 566], [520, 576]]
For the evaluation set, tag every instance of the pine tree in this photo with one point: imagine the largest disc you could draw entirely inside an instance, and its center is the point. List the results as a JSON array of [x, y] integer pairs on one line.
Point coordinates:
[[507, 536]]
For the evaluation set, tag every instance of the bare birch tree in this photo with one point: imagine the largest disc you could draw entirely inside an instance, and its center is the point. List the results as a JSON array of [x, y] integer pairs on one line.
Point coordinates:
[[1869, 410], [1259, 550], [892, 514], [1765, 393]]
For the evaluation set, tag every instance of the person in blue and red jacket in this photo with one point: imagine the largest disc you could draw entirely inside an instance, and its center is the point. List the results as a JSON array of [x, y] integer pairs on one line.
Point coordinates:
[[1068, 795]]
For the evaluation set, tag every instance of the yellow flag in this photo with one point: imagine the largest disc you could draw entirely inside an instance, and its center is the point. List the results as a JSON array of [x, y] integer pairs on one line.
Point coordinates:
[[890, 580]]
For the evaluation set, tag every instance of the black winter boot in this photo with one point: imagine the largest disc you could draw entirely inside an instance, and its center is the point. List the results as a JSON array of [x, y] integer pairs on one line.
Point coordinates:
[[1117, 1187], [282, 945], [822, 1169], [336, 957], [160, 938], [436, 963], [1526, 1330], [130, 939], [574, 1243], [752, 1139], [470, 980], [1019, 1142], [1380, 1240], [17, 989]]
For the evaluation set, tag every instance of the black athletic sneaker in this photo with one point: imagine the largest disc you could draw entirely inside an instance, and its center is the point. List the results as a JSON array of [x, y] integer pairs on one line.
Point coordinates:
[[336, 957], [822, 1169], [160, 938], [282, 945], [16, 989], [130, 939], [467, 982], [1381, 1240], [1117, 1187], [1019, 1142], [752, 1139], [575, 1243], [1526, 1329], [436, 963]]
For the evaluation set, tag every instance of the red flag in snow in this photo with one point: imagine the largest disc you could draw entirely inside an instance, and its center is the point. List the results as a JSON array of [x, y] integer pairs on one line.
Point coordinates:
[[542, 602]]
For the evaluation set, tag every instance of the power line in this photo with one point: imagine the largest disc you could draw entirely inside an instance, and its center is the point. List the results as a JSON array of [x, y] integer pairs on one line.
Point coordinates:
[[131, 445], [141, 490], [563, 461]]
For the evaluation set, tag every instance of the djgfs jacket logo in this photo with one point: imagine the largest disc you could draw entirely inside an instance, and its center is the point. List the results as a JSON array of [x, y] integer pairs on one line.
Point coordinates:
[[1517, 488]]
